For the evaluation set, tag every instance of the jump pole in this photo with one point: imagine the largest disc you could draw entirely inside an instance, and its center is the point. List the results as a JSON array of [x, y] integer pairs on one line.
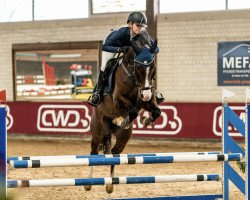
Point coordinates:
[[114, 180], [3, 173], [66, 157], [124, 160]]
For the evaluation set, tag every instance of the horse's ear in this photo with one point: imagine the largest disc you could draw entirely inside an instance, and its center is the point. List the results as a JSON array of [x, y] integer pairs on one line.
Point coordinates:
[[135, 47], [153, 46]]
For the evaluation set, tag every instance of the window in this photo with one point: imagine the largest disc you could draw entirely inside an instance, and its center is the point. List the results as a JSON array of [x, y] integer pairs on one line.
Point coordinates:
[[58, 9], [57, 73], [15, 10], [21, 10], [169, 6], [115, 6], [238, 4]]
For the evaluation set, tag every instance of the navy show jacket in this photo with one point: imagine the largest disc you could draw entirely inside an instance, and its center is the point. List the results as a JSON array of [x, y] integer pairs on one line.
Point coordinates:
[[119, 38]]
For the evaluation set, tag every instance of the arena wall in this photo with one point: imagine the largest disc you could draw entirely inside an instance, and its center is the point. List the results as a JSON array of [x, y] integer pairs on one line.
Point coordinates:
[[187, 62]]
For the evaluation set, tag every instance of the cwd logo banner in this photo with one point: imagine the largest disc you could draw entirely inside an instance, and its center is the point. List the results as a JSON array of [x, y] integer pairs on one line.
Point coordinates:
[[177, 120], [218, 121], [63, 118]]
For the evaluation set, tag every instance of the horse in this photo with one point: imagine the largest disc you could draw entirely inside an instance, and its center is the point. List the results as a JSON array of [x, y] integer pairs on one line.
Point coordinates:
[[133, 91]]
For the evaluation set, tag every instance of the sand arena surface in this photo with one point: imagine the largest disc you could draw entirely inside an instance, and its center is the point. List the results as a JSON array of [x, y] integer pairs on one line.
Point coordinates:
[[57, 147]]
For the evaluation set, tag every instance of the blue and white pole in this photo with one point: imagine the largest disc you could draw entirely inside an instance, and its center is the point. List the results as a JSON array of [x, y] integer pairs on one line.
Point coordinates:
[[114, 180], [3, 162], [124, 160]]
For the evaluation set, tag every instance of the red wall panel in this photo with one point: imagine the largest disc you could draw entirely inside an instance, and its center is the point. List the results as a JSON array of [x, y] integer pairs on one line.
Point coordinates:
[[178, 120]]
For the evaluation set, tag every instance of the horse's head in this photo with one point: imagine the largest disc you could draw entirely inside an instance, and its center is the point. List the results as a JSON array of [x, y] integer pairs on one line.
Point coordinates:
[[144, 68]]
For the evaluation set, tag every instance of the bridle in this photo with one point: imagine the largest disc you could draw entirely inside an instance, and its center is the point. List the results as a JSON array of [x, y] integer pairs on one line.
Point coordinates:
[[132, 73]]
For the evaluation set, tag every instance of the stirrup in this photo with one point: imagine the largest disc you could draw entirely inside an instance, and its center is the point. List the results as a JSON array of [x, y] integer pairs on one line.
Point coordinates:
[[94, 104]]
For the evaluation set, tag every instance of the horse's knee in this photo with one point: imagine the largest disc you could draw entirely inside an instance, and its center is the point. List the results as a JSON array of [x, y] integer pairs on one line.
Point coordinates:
[[156, 112], [133, 113]]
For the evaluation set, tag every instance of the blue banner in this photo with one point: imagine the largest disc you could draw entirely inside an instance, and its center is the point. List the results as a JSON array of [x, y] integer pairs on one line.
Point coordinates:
[[233, 64]]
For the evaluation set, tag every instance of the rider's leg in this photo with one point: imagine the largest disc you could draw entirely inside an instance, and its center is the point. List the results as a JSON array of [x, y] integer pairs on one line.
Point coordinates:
[[97, 95], [159, 97]]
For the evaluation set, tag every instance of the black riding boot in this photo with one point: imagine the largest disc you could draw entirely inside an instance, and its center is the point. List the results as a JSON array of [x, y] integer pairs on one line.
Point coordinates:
[[96, 97], [159, 97]]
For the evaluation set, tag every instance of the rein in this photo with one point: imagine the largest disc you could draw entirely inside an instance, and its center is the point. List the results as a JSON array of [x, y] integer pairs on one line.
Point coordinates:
[[132, 75]]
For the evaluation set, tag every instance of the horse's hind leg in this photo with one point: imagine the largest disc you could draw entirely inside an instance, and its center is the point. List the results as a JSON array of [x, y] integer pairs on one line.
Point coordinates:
[[96, 130], [107, 143], [107, 150], [121, 141], [94, 151]]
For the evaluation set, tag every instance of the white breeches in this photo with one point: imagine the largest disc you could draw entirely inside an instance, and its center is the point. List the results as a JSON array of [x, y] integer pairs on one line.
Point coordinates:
[[105, 57]]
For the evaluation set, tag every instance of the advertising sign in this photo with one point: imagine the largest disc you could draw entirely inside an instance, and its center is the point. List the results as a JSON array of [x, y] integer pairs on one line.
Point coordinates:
[[233, 64], [177, 120]]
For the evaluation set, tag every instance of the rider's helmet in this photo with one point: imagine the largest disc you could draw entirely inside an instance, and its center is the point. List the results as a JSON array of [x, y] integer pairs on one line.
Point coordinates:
[[138, 17]]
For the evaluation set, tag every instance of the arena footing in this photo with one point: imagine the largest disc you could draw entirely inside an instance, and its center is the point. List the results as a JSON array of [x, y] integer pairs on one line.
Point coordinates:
[[195, 197]]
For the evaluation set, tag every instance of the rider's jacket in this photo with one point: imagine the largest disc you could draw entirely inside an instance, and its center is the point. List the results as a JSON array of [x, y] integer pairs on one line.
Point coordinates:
[[120, 38]]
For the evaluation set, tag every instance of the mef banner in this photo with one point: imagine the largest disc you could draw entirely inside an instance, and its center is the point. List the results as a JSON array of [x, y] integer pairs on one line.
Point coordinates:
[[233, 63]]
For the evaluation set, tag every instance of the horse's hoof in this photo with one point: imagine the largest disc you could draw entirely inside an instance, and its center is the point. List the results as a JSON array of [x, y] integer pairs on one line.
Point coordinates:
[[109, 188], [87, 187], [146, 121]]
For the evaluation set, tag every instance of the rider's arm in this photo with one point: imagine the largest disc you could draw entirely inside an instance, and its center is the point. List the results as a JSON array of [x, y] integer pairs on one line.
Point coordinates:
[[110, 44]]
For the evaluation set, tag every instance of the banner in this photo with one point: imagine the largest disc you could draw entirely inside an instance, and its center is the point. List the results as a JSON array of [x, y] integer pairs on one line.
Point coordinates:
[[233, 64], [177, 120]]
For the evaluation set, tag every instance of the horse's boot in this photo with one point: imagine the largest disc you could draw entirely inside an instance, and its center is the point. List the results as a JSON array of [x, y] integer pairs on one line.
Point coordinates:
[[159, 97], [96, 97]]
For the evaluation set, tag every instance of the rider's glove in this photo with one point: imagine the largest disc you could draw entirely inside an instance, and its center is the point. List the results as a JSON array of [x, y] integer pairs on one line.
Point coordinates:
[[124, 49]]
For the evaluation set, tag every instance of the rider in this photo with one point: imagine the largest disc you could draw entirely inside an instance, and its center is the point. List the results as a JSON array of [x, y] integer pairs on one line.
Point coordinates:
[[119, 42]]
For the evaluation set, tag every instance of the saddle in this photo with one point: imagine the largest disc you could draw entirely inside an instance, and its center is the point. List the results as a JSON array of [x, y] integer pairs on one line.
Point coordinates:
[[110, 70]]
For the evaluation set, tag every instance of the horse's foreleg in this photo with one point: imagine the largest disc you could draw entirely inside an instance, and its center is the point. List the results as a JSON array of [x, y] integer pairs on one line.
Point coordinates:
[[125, 105], [125, 123], [155, 113]]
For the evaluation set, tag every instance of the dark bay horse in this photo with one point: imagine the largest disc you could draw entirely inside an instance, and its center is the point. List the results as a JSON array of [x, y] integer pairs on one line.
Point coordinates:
[[133, 91]]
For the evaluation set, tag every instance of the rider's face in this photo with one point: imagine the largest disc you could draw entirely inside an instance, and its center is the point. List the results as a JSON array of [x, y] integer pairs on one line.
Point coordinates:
[[136, 28]]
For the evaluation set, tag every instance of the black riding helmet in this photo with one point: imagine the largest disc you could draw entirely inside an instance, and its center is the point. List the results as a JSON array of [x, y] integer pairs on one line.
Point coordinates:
[[138, 17]]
